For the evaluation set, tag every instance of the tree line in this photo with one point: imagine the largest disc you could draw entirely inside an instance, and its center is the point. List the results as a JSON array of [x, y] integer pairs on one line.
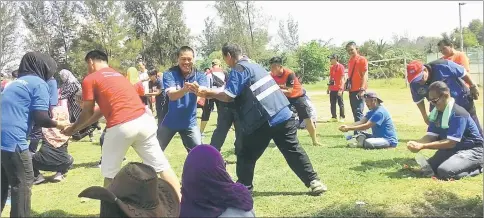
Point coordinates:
[[153, 30]]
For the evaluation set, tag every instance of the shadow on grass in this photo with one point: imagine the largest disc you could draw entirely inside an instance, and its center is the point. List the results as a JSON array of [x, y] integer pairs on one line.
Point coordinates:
[[442, 203], [85, 165], [60, 213], [388, 163], [434, 203], [268, 194]]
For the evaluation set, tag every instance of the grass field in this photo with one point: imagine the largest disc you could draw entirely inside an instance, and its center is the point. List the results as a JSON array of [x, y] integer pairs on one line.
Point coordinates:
[[375, 177]]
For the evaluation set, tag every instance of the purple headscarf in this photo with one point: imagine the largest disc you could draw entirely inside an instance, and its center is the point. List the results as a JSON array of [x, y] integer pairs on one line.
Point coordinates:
[[207, 189]]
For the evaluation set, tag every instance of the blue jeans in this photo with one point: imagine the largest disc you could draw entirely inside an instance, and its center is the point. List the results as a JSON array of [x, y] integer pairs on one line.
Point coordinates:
[[191, 137], [368, 141], [357, 106]]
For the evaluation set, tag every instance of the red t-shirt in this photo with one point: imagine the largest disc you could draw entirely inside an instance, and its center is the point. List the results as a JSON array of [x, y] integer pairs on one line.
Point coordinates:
[[361, 67], [117, 103], [139, 88], [336, 74]]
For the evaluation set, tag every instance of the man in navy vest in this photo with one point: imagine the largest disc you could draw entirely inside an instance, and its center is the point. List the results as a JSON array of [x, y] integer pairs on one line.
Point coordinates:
[[265, 115]]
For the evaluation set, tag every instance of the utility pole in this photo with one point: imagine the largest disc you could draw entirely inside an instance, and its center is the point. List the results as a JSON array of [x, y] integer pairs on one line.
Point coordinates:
[[460, 26]]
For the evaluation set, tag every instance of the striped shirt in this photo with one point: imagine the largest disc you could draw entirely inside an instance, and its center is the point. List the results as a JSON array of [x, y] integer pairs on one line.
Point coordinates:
[[68, 91]]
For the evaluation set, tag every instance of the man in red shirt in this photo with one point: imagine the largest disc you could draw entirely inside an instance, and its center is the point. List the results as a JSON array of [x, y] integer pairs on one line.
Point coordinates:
[[336, 88], [292, 88], [127, 123], [358, 77]]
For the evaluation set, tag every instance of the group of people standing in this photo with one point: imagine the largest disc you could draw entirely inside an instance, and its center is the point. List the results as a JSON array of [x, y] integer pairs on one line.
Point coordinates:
[[258, 103]]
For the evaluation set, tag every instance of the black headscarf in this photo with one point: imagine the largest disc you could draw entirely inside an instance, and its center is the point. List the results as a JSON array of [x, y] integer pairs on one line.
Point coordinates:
[[38, 64]]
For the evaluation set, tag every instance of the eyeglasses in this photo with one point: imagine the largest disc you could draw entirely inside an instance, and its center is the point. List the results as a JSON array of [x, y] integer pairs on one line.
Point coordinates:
[[435, 100]]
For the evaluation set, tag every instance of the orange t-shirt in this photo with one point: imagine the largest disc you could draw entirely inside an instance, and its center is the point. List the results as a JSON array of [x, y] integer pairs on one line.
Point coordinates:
[[117, 103], [460, 58], [139, 88], [336, 74], [289, 79], [361, 67]]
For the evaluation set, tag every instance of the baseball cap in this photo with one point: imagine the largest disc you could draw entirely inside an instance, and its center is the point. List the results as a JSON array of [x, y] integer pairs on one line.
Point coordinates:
[[372, 95], [333, 56], [216, 62], [415, 71]]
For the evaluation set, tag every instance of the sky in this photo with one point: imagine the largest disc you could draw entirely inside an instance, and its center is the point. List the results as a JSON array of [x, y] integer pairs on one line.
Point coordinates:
[[353, 20]]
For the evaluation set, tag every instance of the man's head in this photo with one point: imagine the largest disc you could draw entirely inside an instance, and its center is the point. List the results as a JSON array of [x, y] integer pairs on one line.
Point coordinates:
[[334, 58], [351, 48], [96, 60], [141, 66], [185, 59], [153, 74], [276, 66], [216, 63], [417, 72], [207, 70], [231, 53], [372, 100], [439, 95], [446, 47]]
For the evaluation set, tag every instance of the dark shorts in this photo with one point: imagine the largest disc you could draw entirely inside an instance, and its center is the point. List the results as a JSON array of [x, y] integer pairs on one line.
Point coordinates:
[[302, 107]]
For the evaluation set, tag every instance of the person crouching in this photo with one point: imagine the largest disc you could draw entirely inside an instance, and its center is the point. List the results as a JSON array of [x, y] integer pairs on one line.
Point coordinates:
[[53, 155]]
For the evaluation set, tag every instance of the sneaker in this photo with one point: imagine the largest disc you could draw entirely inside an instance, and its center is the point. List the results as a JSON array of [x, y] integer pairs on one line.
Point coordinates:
[[341, 120], [99, 164], [58, 177], [39, 179], [317, 187]]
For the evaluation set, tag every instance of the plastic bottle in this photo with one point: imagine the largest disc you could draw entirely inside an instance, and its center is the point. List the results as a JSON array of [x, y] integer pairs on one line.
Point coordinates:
[[348, 136], [424, 165]]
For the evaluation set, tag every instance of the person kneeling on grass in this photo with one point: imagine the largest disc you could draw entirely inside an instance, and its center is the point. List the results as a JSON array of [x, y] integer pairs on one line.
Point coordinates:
[[53, 155], [455, 136], [381, 124]]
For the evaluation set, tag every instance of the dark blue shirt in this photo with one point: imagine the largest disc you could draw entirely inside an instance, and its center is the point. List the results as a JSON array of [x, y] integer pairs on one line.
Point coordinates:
[[383, 127], [448, 72], [182, 113], [462, 129], [237, 82], [158, 83], [23, 96]]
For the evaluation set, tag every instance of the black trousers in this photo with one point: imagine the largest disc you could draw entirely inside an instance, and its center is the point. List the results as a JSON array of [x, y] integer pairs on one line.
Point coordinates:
[[285, 138], [333, 99], [357, 106], [207, 109], [226, 116], [18, 173]]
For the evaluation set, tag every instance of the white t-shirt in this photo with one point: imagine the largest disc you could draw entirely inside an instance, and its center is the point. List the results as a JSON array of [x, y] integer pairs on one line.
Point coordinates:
[[221, 76], [142, 76]]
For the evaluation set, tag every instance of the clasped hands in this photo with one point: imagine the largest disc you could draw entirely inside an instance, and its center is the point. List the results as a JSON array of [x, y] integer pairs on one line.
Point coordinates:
[[414, 146]]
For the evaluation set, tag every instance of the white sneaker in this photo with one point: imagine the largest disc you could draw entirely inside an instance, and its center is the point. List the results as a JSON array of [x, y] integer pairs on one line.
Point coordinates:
[[58, 177], [317, 187]]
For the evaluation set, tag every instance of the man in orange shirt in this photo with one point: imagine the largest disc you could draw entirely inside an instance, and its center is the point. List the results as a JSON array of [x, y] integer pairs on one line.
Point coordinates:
[[336, 88], [127, 123], [292, 88], [358, 78], [446, 47]]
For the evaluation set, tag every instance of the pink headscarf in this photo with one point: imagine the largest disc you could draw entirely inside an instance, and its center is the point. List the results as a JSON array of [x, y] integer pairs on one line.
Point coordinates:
[[52, 135]]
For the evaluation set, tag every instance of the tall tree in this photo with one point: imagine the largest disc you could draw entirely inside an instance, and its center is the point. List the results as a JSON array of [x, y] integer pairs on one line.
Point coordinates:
[[38, 19], [8, 33], [209, 39], [289, 33], [476, 27]]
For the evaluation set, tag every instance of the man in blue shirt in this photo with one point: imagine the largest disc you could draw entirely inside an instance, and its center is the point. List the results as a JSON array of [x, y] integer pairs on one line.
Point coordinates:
[[36, 133], [156, 89], [381, 124], [421, 76], [265, 115], [181, 84], [24, 101], [455, 136]]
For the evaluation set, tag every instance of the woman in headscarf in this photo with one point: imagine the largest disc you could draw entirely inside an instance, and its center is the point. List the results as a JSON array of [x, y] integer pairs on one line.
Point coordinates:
[[208, 190], [25, 101], [70, 86]]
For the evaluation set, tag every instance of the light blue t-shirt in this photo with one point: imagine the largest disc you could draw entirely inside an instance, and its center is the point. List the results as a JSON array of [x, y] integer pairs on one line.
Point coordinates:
[[54, 95], [23, 96], [383, 127]]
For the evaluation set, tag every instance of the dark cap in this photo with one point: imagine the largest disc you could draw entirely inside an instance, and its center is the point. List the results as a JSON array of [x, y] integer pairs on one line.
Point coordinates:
[[373, 95], [333, 56]]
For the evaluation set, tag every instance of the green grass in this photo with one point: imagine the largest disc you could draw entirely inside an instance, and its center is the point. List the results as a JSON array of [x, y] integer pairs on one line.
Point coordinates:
[[375, 177]]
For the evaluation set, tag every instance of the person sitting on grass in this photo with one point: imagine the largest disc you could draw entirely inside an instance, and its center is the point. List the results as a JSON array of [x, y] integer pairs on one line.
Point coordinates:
[[53, 155], [381, 124], [455, 136]]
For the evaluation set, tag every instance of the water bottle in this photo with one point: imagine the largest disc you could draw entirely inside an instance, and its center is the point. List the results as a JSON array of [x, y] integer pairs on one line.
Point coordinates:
[[424, 165], [348, 136]]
